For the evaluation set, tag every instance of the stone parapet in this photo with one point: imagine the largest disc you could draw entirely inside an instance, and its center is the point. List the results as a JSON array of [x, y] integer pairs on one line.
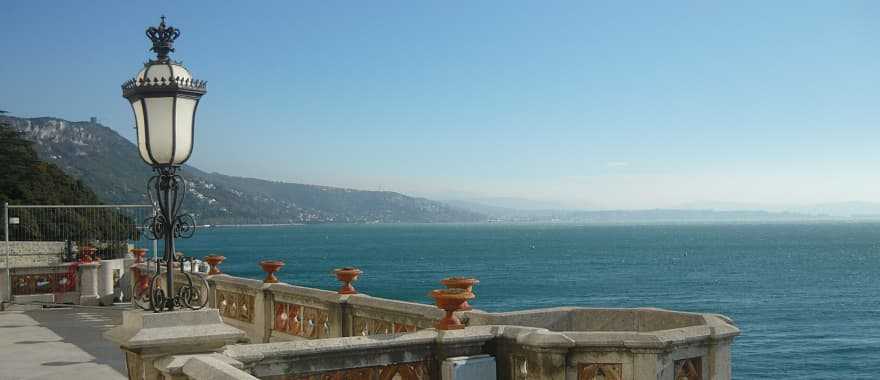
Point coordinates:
[[305, 334], [26, 254], [285, 312], [149, 338], [631, 344]]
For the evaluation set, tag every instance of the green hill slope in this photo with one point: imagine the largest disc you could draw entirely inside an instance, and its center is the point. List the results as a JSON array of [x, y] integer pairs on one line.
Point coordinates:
[[26, 180]]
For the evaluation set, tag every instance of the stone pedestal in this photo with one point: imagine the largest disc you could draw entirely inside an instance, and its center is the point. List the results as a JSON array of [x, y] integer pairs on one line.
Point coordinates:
[[88, 284], [146, 337], [105, 283], [5, 293], [545, 355]]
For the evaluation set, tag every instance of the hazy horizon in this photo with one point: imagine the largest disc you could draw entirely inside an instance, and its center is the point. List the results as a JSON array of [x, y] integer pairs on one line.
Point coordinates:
[[585, 105]]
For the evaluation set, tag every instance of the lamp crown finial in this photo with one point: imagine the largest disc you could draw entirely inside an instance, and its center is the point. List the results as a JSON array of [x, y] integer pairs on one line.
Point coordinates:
[[163, 39]]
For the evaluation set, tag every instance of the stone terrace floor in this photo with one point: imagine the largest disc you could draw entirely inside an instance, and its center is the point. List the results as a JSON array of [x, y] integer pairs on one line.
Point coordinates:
[[59, 343]]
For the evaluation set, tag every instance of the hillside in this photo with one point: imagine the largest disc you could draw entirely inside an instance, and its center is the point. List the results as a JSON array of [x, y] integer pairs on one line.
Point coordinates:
[[28, 180], [695, 215], [109, 164]]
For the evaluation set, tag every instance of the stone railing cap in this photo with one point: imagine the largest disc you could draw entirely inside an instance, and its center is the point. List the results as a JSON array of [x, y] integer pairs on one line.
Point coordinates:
[[721, 326], [266, 351], [467, 335], [283, 289], [173, 364], [545, 339], [148, 330], [203, 367], [403, 307], [234, 281]]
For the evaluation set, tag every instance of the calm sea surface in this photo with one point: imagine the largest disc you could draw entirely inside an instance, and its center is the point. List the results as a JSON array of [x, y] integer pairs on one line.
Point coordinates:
[[806, 296]]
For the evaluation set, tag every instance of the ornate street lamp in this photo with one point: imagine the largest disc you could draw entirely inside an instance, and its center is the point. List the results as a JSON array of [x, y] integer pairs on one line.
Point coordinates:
[[164, 97]]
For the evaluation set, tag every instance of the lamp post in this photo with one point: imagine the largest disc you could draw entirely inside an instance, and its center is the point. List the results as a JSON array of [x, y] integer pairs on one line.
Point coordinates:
[[164, 98]]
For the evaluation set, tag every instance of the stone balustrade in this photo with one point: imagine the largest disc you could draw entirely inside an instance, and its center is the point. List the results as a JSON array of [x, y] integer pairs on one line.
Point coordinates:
[[72, 283], [284, 312], [304, 333], [371, 316], [644, 343], [32, 254]]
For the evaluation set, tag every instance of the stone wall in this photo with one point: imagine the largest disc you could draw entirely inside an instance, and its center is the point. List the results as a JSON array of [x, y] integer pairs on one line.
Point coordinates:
[[25, 254], [299, 333], [72, 283]]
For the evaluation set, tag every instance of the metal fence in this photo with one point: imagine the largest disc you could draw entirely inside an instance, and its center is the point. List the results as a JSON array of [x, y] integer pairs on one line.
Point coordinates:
[[109, 228]]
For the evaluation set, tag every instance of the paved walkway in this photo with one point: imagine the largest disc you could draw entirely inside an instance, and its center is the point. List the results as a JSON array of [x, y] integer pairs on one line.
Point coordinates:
[[59, 343]]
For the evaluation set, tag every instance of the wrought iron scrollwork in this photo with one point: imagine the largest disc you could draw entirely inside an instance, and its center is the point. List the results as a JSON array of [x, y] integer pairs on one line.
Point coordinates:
[[185, 226], [167, 190], [192, 294]]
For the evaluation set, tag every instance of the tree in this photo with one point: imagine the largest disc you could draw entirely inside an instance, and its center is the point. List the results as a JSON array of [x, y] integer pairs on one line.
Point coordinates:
[[27, 180]]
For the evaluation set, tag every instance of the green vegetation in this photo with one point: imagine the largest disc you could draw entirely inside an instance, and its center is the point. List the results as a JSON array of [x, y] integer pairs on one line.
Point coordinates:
[[28, 180]]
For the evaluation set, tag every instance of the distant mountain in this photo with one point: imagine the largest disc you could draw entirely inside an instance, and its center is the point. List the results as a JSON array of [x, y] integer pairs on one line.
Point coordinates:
[[727, 206], [509, 203], [500, 214], [844, 209], [109, 164], [28, 180], [496, 213], [672, 215], [855, 210]]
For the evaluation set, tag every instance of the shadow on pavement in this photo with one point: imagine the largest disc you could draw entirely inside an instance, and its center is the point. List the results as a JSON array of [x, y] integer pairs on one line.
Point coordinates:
[[83, 327]]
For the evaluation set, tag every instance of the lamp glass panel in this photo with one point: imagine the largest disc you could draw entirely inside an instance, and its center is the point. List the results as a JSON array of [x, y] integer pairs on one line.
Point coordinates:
[[160, 128], [183, 129], [139, 126]]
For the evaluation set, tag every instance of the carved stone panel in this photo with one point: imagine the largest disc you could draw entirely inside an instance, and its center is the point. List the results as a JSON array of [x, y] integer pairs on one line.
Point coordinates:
[[689, 369], [42, 283], [398, 371], [369, 326], [600, 371], [404, 328], [303, 321], [519, 368], [236, 306]]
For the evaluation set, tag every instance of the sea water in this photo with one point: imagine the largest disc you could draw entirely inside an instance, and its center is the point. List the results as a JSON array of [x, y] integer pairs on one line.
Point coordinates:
[[806, 296]]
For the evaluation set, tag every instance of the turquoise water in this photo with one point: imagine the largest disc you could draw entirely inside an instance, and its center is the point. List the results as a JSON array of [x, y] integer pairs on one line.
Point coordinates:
[[807, 296]]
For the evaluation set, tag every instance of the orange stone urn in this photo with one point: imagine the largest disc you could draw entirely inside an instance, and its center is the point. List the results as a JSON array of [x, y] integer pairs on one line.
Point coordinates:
[[139, 254], [347, 275], [214, 261], [270, 267], [88, 253], [142, 281], [450, 300], [466, 283]]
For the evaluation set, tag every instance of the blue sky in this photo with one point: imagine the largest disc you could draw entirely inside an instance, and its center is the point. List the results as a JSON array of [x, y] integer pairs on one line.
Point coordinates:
[[588, 104]]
